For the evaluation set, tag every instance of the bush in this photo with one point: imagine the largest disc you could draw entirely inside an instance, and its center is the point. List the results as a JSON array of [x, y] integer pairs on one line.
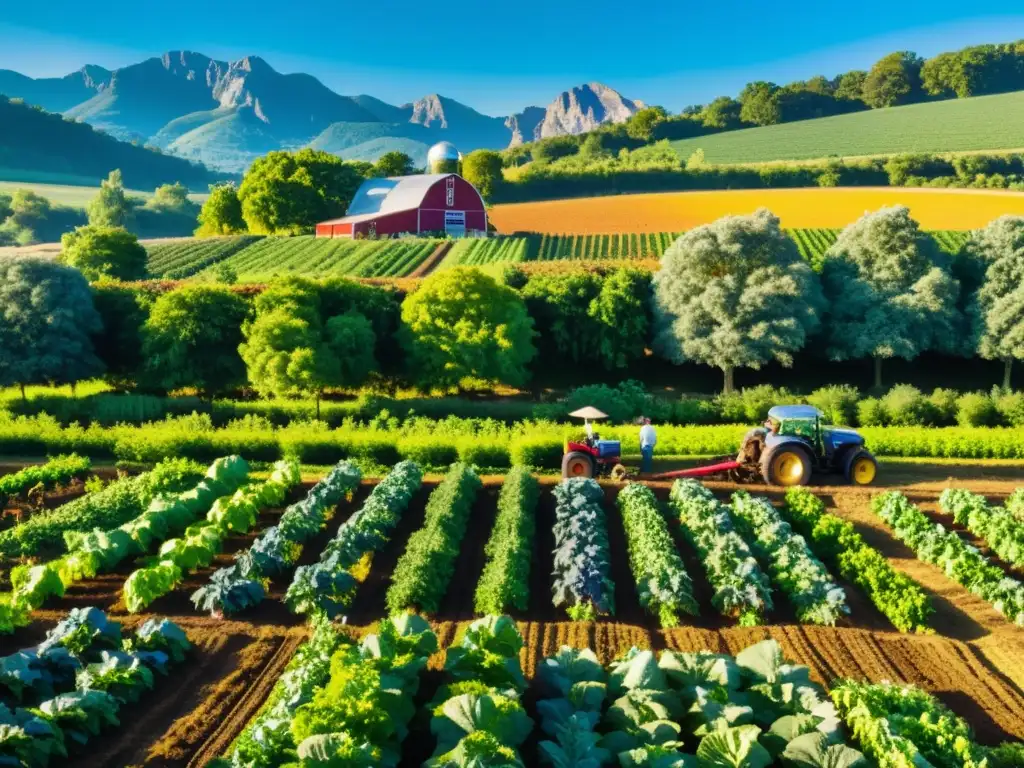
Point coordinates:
[[695, 410], [905, 406], [428, 451], [944, 406], [542, 452], [976, 409], [838, 402], [492, 455], [751, 405], [871, 413], [1010, 406], [623, 403]]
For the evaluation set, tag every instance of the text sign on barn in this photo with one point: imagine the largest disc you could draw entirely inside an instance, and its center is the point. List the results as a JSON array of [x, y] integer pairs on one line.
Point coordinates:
[[455, 222], [449, 192]]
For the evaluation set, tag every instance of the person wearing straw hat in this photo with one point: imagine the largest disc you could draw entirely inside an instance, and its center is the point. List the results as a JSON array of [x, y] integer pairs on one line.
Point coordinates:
[[648, 439]]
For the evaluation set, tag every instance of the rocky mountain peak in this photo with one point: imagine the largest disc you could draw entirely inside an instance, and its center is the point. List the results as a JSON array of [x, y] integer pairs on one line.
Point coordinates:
[[584, 108]]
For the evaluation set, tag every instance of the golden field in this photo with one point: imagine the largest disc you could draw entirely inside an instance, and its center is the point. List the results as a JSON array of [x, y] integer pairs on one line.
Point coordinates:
[[797, 208]]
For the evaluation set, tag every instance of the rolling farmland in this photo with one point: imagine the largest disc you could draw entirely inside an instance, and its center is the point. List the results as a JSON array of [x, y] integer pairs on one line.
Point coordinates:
[[978, 123], [935, 209]]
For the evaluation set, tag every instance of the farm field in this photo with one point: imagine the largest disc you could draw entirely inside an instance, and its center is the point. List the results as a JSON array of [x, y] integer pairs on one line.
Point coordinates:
[[934, 209], [974, 663], [74, 195], [978, 123]]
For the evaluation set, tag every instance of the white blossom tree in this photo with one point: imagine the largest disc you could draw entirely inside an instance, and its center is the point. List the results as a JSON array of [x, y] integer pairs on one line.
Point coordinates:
[[889, 292], [997, 310], [735, 294]]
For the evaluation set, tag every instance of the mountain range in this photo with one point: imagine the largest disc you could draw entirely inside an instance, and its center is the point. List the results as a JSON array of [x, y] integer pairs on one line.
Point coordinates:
[[225, 114]]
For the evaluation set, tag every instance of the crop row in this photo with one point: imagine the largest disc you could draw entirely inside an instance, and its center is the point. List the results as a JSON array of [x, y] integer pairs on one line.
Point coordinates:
[[260, 258], [59, 470], [329, 585], [422, 574], [581, 582], [101, 551], [961, 562], [243, 584], [671, 710], [484, 443], [73, 685], [202, 541], [1001, 529]]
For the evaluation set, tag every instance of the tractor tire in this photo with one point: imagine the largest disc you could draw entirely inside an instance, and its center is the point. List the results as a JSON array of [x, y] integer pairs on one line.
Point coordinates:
[[577, 464], [787, 465], [860, 468]]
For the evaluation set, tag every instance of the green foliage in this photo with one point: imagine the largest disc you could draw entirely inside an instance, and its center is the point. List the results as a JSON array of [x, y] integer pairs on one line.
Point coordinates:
[[123, 312], [191, 339], [505, 581], [837, 402], [284, 354], [482, 169], [644, 122], [287, 193], [221, 213], [101, 251], [59, 470], [889, 292], [393, 164], [421, 576], [110, 208], [725, 289], [462, 324], [998, 526], [582, 583], [894, 79], [350, 336], [49, 317]]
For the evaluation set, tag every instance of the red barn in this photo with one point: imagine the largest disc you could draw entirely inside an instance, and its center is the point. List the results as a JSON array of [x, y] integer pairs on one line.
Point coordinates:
[[440, 202]]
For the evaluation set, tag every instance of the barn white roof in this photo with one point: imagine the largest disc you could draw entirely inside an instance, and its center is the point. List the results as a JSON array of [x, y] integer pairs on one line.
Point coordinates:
[[398, 193]]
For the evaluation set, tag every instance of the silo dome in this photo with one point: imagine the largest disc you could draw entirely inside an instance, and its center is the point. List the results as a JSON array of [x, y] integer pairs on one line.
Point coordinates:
[[443, 157]]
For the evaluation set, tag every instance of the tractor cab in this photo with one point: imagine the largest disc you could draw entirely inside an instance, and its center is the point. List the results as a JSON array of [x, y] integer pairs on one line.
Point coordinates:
[[797, 440], [590, 456]]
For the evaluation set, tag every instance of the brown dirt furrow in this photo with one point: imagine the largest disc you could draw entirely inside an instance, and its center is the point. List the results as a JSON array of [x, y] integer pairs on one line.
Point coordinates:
[[457, 604], [692, 640], [539, 606], [832, 657], [232, 719], [866, 659]]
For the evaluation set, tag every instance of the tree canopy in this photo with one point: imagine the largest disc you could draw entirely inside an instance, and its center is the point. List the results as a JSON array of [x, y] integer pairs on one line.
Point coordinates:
[[221, 213], [997, 312], [48, 319], [889, 290], [191, 339], [289, 192], [461, 323], [735, 294], [894, 79], [104, 252], [110, 208], [482, 169], [393, 164]]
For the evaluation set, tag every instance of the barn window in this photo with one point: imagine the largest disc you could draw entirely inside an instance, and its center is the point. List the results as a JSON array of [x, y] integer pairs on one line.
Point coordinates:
[[449, 196]]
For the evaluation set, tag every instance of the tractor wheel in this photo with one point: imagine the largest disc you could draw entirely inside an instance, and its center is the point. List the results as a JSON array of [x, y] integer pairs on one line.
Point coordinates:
[[787, 465], [577, 464], [861, 468]]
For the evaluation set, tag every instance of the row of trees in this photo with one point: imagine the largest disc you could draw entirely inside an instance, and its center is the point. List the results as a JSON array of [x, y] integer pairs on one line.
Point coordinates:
[[731, 294], [899, 78]]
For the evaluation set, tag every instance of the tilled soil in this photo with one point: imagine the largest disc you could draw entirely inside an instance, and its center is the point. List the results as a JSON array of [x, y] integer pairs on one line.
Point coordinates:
[[975, 662]]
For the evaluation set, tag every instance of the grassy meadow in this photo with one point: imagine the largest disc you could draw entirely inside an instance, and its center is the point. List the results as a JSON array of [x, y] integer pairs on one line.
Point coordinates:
[[956, 125]]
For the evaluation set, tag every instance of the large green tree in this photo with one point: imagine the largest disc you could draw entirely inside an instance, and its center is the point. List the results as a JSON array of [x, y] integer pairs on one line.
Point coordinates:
[[461, 323], [47, 319], [735, 294], [393, 164], [482, 169], [191, 339], [104, 252], [889, 291], [221, 213], [123, 311], [997, 310], [894, 79], [642, 124], [759, 103], [289, 192], [111, 207]]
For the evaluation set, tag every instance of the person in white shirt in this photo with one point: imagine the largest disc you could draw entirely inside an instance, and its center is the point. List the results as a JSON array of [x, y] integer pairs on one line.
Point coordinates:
[[589, 428], [648, 439]]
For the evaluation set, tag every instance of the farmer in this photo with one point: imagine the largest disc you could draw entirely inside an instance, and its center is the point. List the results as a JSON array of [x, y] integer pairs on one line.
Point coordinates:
[[647, 442]]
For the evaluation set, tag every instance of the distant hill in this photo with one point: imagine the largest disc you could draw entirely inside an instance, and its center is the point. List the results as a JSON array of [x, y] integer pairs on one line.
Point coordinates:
[[34, 142], [958, 125], [225, 114]]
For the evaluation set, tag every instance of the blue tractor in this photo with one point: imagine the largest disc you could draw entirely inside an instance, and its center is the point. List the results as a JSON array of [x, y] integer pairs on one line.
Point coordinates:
[[796, 441]]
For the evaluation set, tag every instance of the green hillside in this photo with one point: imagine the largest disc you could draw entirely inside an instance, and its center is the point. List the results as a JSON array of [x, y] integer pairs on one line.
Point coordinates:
[[979, 123]]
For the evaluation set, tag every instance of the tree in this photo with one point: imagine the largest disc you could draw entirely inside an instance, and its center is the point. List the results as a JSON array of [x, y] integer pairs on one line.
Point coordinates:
[[759, 103], [5, 207], [104, 252], [110, 208], [642, 124], [351, 338], [735, 294], [191, 339], [593, 147], [895, 79], [850, 85], [997, 310], [461, 324], [287, 193], [393, 164], [48, 318], [123, 311], [722, 113], [482, 169], [221, 213], [170, 197], [889, 291], [285, 355]]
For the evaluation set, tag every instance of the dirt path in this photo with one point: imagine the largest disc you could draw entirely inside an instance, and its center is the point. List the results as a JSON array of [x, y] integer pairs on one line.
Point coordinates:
[[429, 264]]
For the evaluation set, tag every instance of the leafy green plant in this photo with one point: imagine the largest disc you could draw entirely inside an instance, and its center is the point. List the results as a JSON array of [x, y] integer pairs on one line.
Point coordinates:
[[1000, 528], [56, 471], [581, 565]]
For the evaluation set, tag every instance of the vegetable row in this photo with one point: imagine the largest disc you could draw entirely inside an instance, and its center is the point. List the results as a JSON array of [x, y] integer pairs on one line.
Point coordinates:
[[59, 470], [1001, 529], [62, 693], [581, 580]]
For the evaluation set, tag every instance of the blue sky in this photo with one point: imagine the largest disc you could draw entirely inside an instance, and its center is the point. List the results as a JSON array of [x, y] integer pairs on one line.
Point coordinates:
[[499, 57]]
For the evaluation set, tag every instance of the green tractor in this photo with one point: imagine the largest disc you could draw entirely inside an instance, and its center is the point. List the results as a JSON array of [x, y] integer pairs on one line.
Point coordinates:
[[796, 441]]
